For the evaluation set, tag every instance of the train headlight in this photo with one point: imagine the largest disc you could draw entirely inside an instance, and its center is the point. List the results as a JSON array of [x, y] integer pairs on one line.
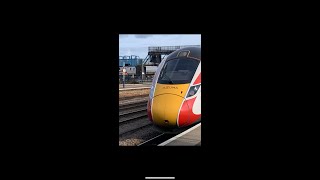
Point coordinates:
[[193, 90]]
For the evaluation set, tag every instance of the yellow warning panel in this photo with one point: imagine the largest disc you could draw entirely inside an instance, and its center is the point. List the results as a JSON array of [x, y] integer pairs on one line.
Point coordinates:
[[165, 109], [177, 89]]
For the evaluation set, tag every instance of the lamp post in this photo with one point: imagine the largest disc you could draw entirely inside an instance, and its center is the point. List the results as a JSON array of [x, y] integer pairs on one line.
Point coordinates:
[[142, 76], [142, 73], [123, 74]]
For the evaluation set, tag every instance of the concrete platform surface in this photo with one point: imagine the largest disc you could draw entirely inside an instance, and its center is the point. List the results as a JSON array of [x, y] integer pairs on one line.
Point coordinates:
[[190, 137]]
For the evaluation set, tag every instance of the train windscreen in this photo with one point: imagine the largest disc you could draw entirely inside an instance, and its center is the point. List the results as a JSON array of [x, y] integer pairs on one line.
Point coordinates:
[[178, 71]]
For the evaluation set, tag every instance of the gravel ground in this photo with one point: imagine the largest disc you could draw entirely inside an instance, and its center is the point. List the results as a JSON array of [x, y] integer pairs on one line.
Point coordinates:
[[133, 125], [133, 100], [132, 93], [138, 136]]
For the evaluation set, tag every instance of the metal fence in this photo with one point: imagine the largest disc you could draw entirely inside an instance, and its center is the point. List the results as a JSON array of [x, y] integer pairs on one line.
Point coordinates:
[[168, 48], [135, 79]]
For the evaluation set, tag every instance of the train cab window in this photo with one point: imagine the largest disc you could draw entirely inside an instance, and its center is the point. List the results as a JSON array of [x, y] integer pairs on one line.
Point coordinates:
[[178, 71], [183, 53]]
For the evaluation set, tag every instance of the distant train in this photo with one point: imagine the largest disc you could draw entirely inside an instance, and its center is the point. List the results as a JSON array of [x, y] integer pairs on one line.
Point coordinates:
[[175, 95], [130, 70]]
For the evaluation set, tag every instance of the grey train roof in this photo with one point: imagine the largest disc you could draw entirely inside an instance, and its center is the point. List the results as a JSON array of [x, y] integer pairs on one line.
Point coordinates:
[[189, 52]]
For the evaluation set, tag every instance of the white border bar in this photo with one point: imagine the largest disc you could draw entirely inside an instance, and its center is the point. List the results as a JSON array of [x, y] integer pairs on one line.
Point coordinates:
[[179, 135], [160, 177]]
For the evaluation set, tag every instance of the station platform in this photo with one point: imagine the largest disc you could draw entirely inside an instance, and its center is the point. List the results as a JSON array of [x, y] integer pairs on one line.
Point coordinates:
[[190, 137]]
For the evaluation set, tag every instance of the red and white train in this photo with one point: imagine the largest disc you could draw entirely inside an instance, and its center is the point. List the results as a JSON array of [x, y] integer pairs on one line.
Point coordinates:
[[175, 95]]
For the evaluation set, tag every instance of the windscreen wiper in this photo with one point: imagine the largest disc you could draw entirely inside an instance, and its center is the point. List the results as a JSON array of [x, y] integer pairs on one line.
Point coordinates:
[[170, 81]]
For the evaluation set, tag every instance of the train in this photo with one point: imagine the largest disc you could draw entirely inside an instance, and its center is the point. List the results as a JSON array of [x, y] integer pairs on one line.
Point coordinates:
[[130, 70], [175, 95]]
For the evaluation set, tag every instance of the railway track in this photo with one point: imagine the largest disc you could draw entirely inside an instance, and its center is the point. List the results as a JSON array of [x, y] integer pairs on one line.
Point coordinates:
[[134, 127], [130, 106], [133, 117], [132, 97], [132, 112], [157, 140], [133, 100]]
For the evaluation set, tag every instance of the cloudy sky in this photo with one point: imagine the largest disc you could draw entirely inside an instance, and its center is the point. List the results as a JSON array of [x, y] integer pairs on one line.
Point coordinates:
[[137, 44]]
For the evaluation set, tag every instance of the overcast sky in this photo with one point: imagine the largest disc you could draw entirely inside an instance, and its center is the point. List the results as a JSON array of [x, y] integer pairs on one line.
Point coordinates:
[[137, 44]]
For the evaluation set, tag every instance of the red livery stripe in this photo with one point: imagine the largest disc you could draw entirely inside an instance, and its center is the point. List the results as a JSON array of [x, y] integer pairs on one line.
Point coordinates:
[[149, 110], [198, 80], [184, 114], [192, 117]]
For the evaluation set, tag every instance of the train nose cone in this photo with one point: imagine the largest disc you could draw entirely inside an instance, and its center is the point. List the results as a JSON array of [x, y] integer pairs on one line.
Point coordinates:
[[165, 109]]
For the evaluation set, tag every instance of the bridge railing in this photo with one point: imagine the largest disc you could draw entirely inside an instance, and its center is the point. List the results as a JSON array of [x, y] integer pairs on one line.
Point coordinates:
[[167, 48]]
